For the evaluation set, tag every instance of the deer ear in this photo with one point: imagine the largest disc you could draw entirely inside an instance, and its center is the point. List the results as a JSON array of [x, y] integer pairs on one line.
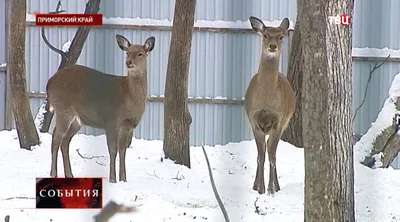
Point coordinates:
[[257, 25], [284, 25], [122, 42], [149, 44]]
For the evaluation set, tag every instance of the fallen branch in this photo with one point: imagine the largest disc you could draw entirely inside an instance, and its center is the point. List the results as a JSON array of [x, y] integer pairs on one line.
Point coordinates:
[[221, 205], [257, 208], [177, 177], [19, 198], [89, 158], [111, 209], [154, 174], [385, 147], [379, 146]]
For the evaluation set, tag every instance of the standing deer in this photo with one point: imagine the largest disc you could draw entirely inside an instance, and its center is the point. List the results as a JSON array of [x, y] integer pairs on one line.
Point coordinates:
[[269, 102], [83, 96]]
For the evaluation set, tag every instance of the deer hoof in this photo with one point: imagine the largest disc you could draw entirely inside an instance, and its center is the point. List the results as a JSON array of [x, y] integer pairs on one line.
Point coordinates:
[[255, 186], [112, 180], [123, 180], [261, 190], [272, 190]]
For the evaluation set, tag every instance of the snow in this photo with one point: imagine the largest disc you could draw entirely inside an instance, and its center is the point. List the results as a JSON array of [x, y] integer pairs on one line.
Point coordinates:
[[66, 46], [384, 120], [206, 97], [374, 52], [3, 65], [39, 119], [30, 17], [164, 191]]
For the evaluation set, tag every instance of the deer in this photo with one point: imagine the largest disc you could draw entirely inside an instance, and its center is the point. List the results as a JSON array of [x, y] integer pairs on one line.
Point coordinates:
[[82, 96], [269, 102]]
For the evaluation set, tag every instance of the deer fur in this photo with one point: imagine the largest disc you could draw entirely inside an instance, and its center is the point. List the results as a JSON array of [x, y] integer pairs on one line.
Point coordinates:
[[79, 96], [269, 102]]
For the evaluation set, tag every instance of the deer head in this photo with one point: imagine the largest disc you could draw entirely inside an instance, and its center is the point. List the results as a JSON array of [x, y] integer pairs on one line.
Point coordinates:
[[135, 54], [272, 36]]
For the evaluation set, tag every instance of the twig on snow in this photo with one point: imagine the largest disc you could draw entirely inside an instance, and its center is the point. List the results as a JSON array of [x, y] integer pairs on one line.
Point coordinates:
[[221, 205], [257, 208], [154, 174], [89, 158]]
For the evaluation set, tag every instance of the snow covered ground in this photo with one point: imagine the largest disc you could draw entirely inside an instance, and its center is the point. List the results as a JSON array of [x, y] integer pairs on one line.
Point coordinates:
[[164, 191]]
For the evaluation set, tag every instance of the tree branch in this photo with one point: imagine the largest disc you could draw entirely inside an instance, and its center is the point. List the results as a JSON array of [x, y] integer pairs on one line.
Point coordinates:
[[75, 49], [221, 205], [376, 66], [51, 46], [57, 11]]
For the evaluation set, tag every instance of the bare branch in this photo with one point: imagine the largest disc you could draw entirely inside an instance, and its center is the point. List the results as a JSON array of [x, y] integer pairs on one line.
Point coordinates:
[[58, 11], [50, 45], [221, 205], [376, 66]]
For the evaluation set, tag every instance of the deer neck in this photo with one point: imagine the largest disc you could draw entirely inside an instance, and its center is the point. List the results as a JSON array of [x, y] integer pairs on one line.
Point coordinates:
[[137, 80], [269, 69]]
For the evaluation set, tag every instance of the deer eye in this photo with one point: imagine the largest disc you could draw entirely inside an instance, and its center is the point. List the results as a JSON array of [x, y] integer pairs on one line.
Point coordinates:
[[280, 37], [140, 54]]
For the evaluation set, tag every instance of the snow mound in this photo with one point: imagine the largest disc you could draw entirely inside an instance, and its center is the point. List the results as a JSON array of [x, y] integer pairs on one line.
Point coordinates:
[[384, 120]]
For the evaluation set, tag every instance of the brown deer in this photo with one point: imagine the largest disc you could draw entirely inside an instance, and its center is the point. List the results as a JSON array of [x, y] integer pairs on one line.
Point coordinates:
[[269, 102], [79, 96]]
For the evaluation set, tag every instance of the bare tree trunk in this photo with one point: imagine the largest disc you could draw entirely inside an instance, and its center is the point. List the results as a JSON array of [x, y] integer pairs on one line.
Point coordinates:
[[294, 132], [68, 58], [177, 118], [27, 133], [327, 116]]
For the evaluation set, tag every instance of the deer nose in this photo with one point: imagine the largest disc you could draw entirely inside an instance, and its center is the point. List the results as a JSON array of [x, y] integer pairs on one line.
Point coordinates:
[[129, 63], [272, 46]]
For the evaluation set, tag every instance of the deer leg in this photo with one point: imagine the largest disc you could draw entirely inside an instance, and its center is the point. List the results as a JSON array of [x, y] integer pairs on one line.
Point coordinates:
[[129, 139], [72, 130], [273, 140], [111, 135], [259, 184], [122, 140], [55, 145], [60, 128]]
